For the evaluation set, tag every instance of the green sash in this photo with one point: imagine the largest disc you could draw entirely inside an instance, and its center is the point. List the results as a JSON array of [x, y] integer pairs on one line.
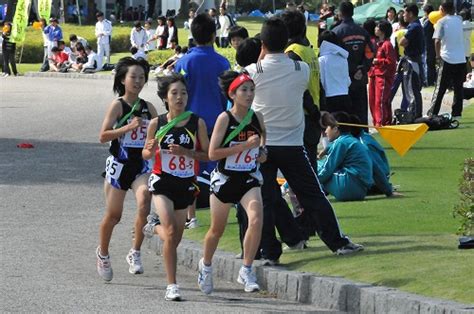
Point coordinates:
[[245, 121], [164, 129], [122, 121]]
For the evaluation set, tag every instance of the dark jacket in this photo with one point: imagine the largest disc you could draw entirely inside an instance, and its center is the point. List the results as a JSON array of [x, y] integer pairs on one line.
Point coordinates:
[[357, 42]]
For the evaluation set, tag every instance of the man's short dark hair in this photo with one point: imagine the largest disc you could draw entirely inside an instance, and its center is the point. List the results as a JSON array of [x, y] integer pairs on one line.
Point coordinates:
[[448, 7], [248, 51], [330, 37], [133, 50], [238, 31], [295, 23], [203, 29], [428, 8], [55, 49], [137, 24], [98, 14], [413, 9], [346, 9], [274, 34], [72, 37]]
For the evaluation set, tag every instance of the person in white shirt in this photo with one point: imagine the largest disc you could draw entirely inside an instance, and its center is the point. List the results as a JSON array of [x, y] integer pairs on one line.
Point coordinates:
[[150, 33], [225, 22], [91, 65], [334, 73], [449, 47], [45, 65], [279, 87], [187, 25], [138, 53], [103, 32], [467, 27], [138, 37]]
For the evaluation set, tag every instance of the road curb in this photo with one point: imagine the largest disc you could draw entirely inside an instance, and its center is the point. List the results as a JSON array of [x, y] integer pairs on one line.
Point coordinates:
[[70, 75], [327, 292]]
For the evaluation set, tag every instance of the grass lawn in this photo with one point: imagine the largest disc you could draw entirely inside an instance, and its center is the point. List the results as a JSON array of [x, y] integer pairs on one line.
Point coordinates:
[[410, 241]]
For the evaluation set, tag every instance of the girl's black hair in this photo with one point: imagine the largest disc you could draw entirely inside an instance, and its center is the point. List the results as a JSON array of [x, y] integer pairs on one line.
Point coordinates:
[[225, 79], [164, 85], [356, 130], [386, 28], [340, 117], [369, 26], [121, 70]]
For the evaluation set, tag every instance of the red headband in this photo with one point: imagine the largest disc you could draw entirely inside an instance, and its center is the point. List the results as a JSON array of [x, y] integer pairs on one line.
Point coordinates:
[[239, 80]]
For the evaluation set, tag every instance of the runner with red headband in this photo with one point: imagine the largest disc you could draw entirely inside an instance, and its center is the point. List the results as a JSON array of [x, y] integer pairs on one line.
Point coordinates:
[[238, 145]]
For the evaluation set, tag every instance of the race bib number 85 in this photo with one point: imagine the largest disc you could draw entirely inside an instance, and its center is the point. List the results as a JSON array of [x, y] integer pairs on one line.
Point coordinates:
[[137, 137], [113, 168], [179, 166], [243, 161]]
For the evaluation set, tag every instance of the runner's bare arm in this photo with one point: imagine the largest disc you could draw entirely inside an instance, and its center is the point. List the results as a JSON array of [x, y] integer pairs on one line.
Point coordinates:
[[216, 152], [150, 143], [107, 131]]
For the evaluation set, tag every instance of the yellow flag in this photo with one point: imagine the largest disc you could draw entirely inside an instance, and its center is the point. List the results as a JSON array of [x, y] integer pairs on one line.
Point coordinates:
[[20, 21], [402, 137], [44, 9]]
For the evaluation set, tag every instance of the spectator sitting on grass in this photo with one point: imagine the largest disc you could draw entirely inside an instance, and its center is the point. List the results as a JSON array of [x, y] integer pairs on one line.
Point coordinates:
[[62, 46], [380, 165], [169, 64], [346, 172], [138, 53], [58, 59], [81, 58], [91, 65], [73, 39]]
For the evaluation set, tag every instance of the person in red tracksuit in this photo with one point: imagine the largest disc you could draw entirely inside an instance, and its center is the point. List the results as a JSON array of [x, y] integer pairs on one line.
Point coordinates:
[[381, 76]]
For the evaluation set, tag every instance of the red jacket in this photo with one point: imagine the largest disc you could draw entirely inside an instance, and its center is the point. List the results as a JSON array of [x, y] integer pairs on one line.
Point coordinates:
[[387, 60]]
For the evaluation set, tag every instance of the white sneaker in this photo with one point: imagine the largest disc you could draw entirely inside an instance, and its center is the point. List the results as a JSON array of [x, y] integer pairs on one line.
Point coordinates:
[[248, 279], [104, 268], [298, 246], [149, 229], [192, 223], [205, 278], [135, 261], [349, 248], [172, 293]]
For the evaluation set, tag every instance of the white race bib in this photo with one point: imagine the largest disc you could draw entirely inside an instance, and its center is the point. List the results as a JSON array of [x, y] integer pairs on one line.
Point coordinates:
[[243, 161], [137, 137], [113, 168], [179, 166]]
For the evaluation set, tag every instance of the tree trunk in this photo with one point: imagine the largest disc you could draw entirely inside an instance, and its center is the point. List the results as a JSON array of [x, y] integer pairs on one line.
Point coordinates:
[[151, 8], [91, 9], [11, 6], [183, 9]]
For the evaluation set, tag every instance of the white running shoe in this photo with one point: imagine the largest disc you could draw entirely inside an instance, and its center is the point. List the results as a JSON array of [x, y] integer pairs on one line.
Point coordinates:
[[172, 293], [205, 278], [191, 223], [104, 268], [349, 248], [149, 229], [248, 279], [135, 261]]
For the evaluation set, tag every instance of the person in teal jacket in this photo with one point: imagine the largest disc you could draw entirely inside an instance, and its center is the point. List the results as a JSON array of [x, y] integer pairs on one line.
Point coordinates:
[[346, 171], [380, 165]]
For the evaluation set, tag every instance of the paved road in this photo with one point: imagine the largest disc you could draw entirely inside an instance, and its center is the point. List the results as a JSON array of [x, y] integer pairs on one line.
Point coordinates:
[[52, 203]]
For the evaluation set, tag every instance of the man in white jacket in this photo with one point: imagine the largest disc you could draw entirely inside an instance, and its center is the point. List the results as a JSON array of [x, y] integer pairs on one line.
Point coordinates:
[[103, 32]]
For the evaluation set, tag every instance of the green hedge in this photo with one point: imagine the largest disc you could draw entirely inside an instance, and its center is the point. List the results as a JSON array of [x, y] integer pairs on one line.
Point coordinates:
[[33, 45]]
